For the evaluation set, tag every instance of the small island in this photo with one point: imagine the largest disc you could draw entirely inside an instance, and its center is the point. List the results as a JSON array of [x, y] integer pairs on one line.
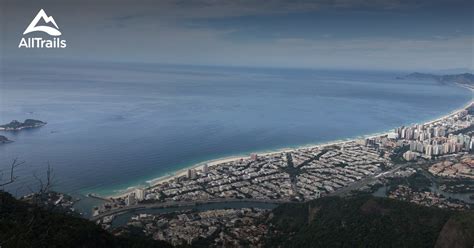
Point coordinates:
[[16, 125], [4, 140]]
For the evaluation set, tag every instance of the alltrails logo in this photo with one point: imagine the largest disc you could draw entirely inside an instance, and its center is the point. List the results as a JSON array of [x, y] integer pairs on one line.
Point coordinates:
[[38, 42]]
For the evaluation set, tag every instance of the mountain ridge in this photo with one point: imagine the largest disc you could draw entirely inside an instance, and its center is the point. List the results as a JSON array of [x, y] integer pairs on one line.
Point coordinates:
[[462, 78]]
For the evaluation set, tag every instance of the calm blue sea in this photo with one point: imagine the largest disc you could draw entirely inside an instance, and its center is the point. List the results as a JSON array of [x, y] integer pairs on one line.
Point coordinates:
[[115, 125]]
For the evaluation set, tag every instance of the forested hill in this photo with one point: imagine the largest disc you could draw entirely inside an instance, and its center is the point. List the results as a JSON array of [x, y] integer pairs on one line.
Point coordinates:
[[24, 225], [366, 221]]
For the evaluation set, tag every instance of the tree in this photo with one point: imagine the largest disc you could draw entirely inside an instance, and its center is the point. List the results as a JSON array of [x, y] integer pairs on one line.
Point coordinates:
[[13, 166], [45, 185]]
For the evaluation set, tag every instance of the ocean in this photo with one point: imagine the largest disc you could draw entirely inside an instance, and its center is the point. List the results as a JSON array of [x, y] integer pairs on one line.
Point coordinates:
[[116, 125]]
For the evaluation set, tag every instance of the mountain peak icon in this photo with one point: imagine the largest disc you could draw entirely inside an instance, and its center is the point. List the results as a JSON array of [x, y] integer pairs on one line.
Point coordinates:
[[47, 29]]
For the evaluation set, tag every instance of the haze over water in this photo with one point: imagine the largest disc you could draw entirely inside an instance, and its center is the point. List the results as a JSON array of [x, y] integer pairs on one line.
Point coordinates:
[[111, 126]]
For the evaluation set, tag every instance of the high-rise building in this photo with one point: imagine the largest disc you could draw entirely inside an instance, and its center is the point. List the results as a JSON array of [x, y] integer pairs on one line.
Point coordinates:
[[439, 132], [402, 132], [191, 174], [446, 148], [254, 156], [437, 150], [140, 194], [429, 150], [130, 199], [412, 146], [409, 155], [419, 146]]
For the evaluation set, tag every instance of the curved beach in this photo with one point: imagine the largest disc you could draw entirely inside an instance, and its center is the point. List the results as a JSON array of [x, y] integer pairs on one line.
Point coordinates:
[[200, 165]]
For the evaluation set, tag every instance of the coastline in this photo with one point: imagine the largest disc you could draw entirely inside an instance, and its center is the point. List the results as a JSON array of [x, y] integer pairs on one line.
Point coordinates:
[[199, 166]]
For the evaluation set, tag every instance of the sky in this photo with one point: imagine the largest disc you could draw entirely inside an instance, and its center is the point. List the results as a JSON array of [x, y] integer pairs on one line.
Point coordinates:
[[431, 35]]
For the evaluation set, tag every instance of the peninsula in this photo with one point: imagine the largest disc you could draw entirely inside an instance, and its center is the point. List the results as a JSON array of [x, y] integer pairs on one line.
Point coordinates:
[[466, 79], [16, 125]]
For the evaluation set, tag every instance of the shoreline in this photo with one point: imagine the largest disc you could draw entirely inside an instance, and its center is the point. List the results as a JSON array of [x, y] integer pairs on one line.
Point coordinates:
[[199, 166]]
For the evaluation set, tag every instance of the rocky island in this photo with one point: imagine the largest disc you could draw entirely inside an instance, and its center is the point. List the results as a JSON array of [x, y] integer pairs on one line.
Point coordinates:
[[4, 139], [16, 125]]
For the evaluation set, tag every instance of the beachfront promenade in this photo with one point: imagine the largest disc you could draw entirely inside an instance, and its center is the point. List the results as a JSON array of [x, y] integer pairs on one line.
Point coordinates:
[[302, 174]]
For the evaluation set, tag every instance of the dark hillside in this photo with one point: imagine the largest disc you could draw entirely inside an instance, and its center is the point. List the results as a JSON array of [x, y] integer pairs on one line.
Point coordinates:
[[24, 225], [366, 221]]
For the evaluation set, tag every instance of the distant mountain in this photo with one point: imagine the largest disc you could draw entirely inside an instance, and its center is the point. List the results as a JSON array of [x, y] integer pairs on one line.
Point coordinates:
[[453, 71], [367, 221], [464, 78]]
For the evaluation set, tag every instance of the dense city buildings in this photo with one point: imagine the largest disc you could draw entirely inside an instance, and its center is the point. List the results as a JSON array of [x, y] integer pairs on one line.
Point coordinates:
[[462, 169], [437, 138], [426, 198], [221, 227]]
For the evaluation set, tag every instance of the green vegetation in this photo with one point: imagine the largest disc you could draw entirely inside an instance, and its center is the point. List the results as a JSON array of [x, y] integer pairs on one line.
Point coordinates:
[[457, 185], [458, 231], [24, 225], [417, 181], [366, 221], [28, 123]]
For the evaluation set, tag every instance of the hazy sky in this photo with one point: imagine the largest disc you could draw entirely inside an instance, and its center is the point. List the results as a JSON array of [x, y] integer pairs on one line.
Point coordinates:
[[359, 34]]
